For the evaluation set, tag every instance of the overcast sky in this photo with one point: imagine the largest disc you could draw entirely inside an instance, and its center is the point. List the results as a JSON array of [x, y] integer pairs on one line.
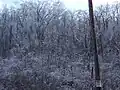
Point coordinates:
[[71, 4], [83, 4]]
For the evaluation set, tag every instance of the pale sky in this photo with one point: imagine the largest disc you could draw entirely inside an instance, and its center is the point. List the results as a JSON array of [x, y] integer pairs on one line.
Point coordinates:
[[83, 4], [71, 4]]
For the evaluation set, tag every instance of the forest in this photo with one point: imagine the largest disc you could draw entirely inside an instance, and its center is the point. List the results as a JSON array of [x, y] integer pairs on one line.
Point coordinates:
[[45, 46]]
